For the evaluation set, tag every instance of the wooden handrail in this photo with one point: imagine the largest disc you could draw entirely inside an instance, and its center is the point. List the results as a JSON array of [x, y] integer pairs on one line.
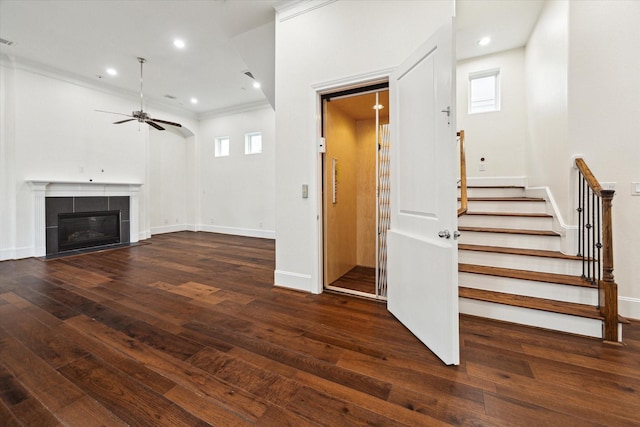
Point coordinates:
[[607, 287], [588, 175], [463, 177]]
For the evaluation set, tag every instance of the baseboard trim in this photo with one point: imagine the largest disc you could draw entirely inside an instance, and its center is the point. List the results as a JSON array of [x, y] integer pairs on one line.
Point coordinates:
[[168, 229], [16, 253], [237, 231], [291, 280], [629, 307]]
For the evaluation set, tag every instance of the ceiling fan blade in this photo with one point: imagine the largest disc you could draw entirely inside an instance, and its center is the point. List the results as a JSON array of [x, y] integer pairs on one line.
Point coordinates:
[[166, 122], [111, 112], [155, 125], [122, 121]]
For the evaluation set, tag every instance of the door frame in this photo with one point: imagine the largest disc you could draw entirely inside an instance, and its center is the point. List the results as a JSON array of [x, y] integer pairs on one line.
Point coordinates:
[[320, 89]]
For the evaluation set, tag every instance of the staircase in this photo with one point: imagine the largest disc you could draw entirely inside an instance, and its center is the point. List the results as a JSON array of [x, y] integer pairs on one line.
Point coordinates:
[[511, 267]]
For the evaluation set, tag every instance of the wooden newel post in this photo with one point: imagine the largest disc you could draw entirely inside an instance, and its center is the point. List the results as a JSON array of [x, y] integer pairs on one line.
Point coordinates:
[[608, 288]]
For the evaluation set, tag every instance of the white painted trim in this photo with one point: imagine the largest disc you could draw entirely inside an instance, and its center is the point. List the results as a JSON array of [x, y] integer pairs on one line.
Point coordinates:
[[143, 235], [290, 10], [496, 181], [352, 82], [568, 232], [237, 231], [16, 253], [235, 109], [629, 307], [168, 229], [297, 281]]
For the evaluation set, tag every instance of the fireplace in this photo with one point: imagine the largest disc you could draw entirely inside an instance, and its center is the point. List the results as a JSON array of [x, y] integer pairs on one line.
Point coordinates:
[[51, 198], [80, 223], [87, 229]]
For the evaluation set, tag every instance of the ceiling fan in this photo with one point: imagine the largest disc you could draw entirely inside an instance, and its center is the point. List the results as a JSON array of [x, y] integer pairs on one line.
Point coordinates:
[[141, 116]]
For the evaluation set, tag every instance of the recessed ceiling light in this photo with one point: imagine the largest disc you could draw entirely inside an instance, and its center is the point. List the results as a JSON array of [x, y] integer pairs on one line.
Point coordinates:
[[484, 41], [179, 43], [112, 71], [194, 100], [256, 85], [378, 107]]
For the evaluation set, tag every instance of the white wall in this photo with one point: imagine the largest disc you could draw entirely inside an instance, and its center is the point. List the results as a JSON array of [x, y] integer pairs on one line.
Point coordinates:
[[337, 41], [604, 120], [547, 154], [168, 183], [51, 132], [238, 192], [498, 136], [582, 73]]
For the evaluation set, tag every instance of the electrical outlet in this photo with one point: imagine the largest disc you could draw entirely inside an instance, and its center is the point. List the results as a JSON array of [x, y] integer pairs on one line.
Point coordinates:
[[166, 221], [635, 188], [481, 168]]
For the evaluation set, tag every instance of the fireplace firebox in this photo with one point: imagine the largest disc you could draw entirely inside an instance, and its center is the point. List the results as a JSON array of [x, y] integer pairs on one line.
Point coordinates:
[[87, 229]]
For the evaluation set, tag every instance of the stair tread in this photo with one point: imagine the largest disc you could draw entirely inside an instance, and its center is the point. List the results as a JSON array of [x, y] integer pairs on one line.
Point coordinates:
[[536, 276], [570, 308], [510, 231], [516, 214], [519, 251], [506, 199]]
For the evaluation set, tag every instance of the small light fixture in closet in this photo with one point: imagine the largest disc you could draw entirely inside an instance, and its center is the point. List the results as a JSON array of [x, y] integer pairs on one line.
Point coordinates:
[[378, 107]]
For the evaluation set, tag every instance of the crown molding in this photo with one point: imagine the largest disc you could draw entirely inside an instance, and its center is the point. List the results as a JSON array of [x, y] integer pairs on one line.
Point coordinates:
[[290, 10]]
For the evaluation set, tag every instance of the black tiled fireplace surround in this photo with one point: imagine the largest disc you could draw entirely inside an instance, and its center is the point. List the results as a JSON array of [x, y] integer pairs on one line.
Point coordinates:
[[56, 205]]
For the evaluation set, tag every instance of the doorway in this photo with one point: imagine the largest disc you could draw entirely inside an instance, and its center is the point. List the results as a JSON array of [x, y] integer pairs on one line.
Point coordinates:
[[355, 216]]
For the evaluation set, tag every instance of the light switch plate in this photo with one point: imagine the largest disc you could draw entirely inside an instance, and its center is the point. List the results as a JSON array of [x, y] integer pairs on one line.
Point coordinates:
[[635, 188]]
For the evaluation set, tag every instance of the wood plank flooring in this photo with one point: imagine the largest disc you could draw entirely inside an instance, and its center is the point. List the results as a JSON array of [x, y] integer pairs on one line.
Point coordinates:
[[188, 330]]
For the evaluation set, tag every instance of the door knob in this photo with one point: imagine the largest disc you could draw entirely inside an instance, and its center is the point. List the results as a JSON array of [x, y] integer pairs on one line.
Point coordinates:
[[445, 234]]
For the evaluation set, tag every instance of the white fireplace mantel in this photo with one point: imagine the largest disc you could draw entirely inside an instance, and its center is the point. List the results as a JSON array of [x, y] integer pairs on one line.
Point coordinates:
[[42, 189]]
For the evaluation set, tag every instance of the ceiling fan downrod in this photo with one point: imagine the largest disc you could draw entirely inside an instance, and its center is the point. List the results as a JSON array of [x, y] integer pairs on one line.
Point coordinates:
[[141, 61]]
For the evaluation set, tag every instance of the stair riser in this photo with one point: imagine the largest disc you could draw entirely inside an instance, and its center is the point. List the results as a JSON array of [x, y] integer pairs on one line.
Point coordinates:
[[513, 222], [521, 262], [537, 318], [508, 285], [506, 206], [494, 192], [548, 243]]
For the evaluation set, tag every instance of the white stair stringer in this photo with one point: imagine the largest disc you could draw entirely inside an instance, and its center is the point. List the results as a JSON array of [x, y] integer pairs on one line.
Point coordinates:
[[508, 240], [531, 317], [521, 262], [530, 288]]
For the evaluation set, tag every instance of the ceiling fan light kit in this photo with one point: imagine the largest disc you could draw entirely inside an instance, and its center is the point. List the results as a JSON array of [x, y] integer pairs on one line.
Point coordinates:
[[141, 116]]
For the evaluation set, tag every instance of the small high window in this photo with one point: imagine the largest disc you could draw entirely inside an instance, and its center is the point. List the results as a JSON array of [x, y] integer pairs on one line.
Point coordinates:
[[484, 91], [253, 143], [222, 146]]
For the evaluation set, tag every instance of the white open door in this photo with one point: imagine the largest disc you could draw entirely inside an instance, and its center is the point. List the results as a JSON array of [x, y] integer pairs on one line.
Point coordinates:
[[422, 250]]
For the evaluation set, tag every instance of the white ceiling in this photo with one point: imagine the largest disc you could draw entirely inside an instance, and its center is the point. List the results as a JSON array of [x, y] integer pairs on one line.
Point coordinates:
[[224, 38]]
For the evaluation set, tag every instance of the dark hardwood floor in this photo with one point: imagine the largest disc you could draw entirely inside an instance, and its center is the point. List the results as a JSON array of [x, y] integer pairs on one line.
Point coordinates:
[[188, 330], [360, 279]]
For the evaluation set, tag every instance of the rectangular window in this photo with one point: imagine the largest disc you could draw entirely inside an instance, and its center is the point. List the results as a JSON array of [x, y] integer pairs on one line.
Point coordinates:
[[222, 146], [253, 143], [484, 91]]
